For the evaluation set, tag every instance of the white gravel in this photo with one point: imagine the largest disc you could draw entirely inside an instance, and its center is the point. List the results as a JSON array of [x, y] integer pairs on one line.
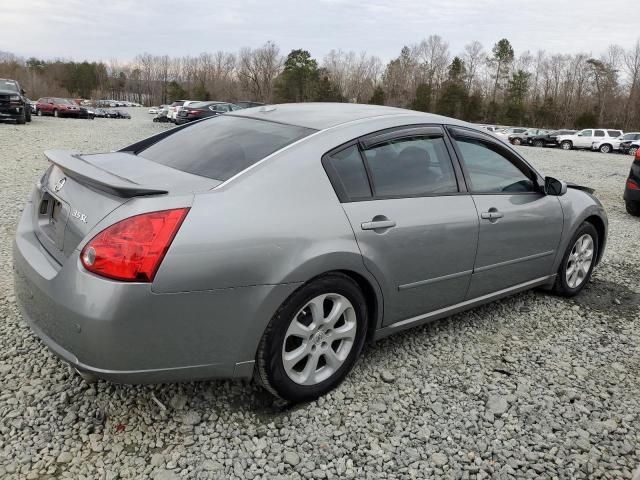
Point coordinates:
[[534, 386]]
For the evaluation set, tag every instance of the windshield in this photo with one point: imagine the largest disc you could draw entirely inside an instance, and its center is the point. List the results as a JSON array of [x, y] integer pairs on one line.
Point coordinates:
[[8, 85], [223, 146]]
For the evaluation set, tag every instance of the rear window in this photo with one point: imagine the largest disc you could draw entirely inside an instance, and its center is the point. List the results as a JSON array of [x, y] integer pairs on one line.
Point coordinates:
[[614, 133], [223, 146]]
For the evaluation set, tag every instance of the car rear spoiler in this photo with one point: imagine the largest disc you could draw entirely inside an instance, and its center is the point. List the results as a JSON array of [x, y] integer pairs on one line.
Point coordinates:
[[90, 174]]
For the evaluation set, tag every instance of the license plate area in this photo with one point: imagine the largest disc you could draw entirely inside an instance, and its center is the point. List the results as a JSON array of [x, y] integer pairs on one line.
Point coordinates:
[[53, 214]]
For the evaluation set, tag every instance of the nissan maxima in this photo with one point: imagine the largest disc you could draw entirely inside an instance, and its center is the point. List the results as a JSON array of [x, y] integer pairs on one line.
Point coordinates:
[[275, 241]]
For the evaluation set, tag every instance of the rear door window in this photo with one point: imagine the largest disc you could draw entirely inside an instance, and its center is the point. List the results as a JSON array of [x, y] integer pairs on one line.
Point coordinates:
[[411, 167], [614, 133], [599, 133], [223, 146]]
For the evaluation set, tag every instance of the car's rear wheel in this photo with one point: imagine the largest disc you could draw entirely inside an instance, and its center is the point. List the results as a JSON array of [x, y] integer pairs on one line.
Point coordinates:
[[314, 339], [55, 113], [28, 115], [605, 148], [22, 119], [538, 143], [517, 141], [633, 150], [566, 145], [39, 112], [578, 261], [633, 208]]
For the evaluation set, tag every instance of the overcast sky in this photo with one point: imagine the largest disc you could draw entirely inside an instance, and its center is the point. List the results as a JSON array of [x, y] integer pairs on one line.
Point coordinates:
[[105, 29]]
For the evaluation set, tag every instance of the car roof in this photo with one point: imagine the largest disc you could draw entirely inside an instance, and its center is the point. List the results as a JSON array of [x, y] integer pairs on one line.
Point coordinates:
[[321, 116]]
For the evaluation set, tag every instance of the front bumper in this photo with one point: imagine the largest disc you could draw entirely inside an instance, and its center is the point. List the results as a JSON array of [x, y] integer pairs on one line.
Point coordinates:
[[126, 333], [11, 112]]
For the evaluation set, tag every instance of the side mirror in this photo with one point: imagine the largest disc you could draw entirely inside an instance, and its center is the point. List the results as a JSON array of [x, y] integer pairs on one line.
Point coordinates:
[[22, 92], [579, 135], [554, 187]]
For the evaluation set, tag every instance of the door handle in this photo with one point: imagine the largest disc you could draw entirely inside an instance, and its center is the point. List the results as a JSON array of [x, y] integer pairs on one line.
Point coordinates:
[[493, 214], [377, 224]]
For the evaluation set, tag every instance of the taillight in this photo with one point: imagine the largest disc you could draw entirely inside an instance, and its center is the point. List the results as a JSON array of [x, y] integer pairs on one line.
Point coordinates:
[[631, 185], [132, 249], [637, 157], [193, 112]]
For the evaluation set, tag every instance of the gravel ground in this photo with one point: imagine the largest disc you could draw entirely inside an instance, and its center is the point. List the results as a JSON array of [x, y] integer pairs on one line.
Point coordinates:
[[534, 386]]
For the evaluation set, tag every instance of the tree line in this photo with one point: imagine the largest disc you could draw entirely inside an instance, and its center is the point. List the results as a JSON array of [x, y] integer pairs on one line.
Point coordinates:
[[493, 85]]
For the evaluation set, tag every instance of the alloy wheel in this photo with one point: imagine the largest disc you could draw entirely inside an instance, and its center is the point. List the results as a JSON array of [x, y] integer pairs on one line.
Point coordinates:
[[319, 339], [579, 261]]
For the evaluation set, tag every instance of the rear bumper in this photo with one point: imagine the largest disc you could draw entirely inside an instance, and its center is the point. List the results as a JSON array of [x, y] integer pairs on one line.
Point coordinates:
[[126, 333], [631, 195]]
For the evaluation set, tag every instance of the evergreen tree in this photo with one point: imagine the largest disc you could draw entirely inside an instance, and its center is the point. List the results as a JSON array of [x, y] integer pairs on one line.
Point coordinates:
[[502, 57], [175, 91], [378, 96], [299, 80], [326, 90], [515, 110], [454, 92], [423, 98]]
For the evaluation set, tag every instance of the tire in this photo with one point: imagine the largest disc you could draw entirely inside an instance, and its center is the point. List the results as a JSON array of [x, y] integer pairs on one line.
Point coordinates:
[[310, 374], [56, 114], [566, 145], [633, 208], [605, 148], [538, 143], [578, 253], [28, 112], [22, 119], [39, 112], [517, 141], [632, 151]]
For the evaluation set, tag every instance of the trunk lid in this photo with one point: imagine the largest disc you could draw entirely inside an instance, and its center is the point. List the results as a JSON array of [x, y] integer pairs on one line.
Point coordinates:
[[78, 191]]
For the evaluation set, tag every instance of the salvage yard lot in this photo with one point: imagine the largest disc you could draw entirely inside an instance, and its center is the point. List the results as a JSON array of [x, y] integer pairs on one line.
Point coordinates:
[[532, 386]]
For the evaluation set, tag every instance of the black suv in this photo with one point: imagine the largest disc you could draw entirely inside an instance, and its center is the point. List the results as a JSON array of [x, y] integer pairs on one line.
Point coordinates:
[[13, 103]]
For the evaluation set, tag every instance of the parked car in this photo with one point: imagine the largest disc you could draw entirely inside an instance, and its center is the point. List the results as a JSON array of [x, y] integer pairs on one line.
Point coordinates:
[[58, 107], [100, 113], [32, 106], [198, 110], [14, 105], [548, 139], [521, 138], [248, 104], [628, 141], [86, 112], [163, 115], [585, 139], [505, 132], [121, 114], [634, 147], [338, 223], [632, 187], [154, 110]]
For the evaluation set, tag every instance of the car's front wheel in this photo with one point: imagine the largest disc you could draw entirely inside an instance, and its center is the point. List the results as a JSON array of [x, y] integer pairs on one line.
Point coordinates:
[[566, 145], [55, 113], [314, 339], [538, 143], [39, 112], [633, 150], [517, 141], [578, 261]]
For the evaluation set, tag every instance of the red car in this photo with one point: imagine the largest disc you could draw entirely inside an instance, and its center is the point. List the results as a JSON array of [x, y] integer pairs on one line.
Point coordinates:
[[58, 107]]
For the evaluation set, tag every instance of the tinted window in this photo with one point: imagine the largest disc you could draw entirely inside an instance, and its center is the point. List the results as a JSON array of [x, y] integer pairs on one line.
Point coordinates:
[[351, 173], [599, 133], [586, 133], [489, 171], [614, 133], [223, 146], [411, 166]]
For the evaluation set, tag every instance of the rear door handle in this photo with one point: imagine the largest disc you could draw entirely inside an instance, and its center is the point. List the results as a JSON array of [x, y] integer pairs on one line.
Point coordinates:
[[378, 224]]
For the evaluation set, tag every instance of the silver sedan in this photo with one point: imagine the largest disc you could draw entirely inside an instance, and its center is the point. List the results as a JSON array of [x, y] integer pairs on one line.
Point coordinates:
[[275, 241]]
